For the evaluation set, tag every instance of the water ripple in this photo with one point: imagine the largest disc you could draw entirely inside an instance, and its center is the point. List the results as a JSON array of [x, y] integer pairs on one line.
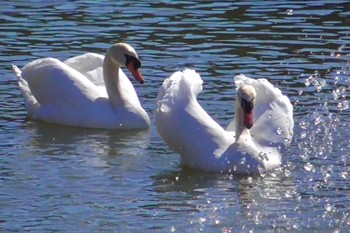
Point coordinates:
[[70, 179]]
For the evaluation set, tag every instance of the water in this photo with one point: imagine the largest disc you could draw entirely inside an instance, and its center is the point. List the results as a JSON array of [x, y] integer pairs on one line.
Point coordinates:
[[66, 179]]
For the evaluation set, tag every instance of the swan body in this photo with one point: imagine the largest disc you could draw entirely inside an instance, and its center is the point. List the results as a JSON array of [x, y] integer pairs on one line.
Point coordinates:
[[89, 90], [246, 146]]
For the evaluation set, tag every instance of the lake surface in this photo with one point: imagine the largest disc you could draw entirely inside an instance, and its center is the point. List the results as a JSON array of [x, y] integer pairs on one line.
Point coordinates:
[[67, 179]]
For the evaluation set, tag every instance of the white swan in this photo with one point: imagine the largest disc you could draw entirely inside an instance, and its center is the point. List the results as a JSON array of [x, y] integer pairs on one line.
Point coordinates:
[[87, 91], [203, 144]]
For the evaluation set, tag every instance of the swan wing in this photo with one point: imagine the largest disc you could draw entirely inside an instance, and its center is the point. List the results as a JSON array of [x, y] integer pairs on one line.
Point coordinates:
[[90, 65], [186, 127], [62, 94], [273, 113]]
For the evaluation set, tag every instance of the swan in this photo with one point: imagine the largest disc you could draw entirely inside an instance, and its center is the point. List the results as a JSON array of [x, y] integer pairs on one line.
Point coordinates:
[[88, 90], [249, 145]]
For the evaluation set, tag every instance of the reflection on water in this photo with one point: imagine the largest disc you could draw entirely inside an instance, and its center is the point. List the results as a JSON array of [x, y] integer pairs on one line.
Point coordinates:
[[101, 142], [55, 178]]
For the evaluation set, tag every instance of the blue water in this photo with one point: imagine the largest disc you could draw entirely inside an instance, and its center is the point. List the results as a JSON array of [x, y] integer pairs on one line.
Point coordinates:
[[67, 179]]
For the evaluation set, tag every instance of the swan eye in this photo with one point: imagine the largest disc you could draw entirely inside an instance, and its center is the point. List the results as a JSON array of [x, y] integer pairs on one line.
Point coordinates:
[[247, 106], [129, 58]]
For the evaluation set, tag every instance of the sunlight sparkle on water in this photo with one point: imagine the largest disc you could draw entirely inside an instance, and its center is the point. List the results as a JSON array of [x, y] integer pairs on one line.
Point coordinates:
[[343, 105], [290, 12], [301, 47]]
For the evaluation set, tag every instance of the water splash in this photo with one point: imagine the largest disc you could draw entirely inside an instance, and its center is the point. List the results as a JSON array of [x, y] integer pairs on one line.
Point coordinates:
[[319, 139], [316, 81], [339, 94], [318, 128]]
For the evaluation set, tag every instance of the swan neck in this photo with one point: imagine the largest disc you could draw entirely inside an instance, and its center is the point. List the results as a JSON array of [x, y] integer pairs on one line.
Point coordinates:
[[111, 79], [239, 126]]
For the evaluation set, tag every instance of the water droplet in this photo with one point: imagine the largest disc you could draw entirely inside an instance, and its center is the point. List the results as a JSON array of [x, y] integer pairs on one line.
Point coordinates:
[[263, 156], [250, 180], [287, 141], [307, 81], [290, 12], [303, 135], [323, 83], [304, 124], [262, 171], [340, 48], [318, 118], [315, 81], [295, 226], [343, 105], [309, 167], [328, 207], [340, 92], [243, 160], [287, 173], [279, 131], [345, 175]]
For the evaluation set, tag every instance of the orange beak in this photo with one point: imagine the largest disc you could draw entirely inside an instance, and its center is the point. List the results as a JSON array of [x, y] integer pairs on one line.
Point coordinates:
[[135, 72], [248, 119]]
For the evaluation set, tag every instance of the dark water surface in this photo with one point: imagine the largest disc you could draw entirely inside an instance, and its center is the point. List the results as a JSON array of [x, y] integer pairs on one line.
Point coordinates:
[[66, 179]]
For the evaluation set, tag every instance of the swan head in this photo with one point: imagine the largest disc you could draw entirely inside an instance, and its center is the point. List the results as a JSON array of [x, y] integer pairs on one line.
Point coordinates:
[[123, 55], [246, 97]]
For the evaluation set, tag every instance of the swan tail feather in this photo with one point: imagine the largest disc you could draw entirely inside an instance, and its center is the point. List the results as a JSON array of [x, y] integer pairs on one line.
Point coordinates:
[[30, 101], [17, 71]]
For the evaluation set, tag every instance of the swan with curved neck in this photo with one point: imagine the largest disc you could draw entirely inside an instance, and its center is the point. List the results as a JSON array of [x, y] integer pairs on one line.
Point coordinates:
[[86, 91], [203, 144]]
